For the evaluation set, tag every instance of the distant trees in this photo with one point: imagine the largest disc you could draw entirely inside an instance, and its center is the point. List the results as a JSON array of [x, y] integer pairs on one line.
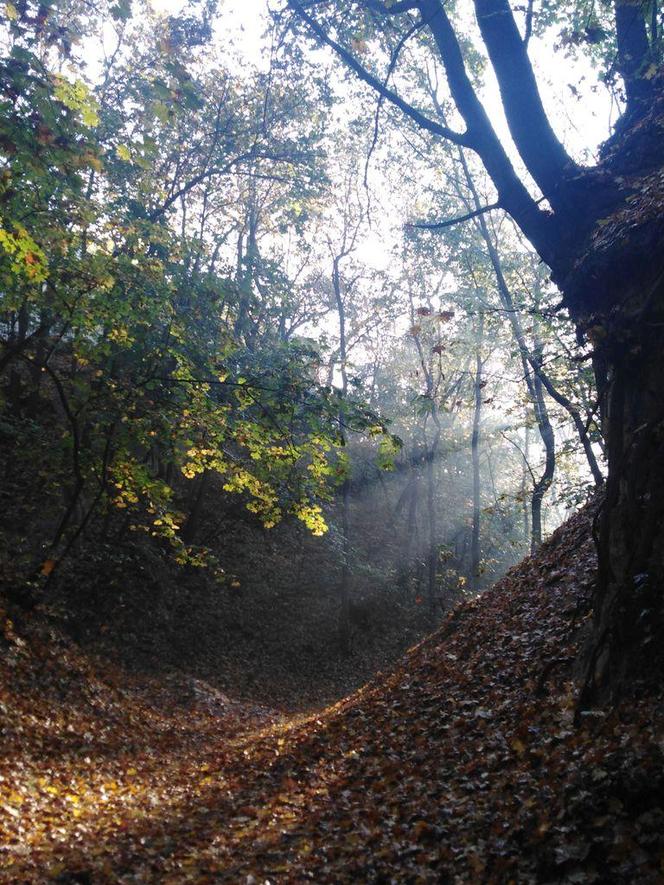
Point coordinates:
[[597, 227], [210, 313]]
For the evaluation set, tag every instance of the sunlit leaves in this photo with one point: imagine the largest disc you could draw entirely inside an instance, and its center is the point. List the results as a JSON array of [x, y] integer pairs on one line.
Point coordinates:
[[312, 516], [389, 448], [76, 96], [25, 257]]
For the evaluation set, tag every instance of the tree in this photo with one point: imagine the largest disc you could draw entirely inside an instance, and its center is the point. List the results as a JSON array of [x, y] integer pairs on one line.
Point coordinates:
[[598, 228], [128, 368]]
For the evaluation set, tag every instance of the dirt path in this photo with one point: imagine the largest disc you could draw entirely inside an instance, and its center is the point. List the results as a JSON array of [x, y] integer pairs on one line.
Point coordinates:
[[462, 765]]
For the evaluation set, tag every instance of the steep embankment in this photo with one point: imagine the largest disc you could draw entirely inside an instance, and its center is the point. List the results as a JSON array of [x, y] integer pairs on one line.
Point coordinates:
[[462, 765]]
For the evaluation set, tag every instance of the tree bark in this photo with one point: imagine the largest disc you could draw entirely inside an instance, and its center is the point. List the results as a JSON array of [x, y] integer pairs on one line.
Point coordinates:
[[629, 610], [529, 125], [633, 53]]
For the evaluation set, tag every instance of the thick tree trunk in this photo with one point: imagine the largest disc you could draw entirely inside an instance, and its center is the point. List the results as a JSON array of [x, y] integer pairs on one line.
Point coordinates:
[[633, 53], [629, 615]]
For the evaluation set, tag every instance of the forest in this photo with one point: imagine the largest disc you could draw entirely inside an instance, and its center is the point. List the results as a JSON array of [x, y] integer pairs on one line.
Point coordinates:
[[331, 441]]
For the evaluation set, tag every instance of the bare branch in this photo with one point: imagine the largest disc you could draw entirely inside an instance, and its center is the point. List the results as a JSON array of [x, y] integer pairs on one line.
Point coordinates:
[[529, 23], [440, 225], [367, 77], [381, 98], [520, 451], [213, 172]]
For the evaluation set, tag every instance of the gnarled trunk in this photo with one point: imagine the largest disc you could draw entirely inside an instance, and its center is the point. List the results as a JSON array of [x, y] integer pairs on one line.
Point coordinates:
[[629, 614]]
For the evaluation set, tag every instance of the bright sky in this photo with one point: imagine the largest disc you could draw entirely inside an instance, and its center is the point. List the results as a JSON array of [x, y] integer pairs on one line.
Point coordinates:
[[246, 18], [582, 121]]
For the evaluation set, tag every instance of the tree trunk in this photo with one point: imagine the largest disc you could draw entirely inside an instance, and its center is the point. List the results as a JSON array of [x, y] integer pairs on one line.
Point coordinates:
[[190, 528], [528, 359], [628, 612], [543, 484], [524, 484], [344, 583], [475, 451], [404, 555], [432, 558], [532, 370]]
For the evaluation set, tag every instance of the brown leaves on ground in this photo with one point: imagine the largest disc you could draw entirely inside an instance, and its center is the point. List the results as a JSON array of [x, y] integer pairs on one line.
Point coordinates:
[[462, 765]]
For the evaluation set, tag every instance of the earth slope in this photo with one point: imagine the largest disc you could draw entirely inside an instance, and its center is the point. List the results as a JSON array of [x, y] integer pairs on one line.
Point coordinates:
[[464, 764]]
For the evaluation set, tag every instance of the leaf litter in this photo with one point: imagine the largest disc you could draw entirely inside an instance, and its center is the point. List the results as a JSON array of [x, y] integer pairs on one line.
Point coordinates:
[[462, 764]]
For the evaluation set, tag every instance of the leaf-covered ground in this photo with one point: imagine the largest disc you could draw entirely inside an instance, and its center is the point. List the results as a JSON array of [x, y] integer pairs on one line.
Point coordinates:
[[462, 765]]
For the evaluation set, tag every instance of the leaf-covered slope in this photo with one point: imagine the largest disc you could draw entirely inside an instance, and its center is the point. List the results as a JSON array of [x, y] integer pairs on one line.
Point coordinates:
[[462, 765]]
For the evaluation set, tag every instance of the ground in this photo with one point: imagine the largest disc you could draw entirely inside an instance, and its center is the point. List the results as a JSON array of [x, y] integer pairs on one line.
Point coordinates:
[[464, 763]]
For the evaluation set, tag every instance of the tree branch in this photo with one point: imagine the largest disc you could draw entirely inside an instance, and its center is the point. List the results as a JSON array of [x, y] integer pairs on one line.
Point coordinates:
[[379, 104], [513, 196], [440, 225], [527, 357], [633, 51], [541, 151], [529, 24], [212, 172], [367, 77]]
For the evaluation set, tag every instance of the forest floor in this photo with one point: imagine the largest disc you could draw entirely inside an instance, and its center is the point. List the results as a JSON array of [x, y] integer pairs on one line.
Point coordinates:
[[462, 764]]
